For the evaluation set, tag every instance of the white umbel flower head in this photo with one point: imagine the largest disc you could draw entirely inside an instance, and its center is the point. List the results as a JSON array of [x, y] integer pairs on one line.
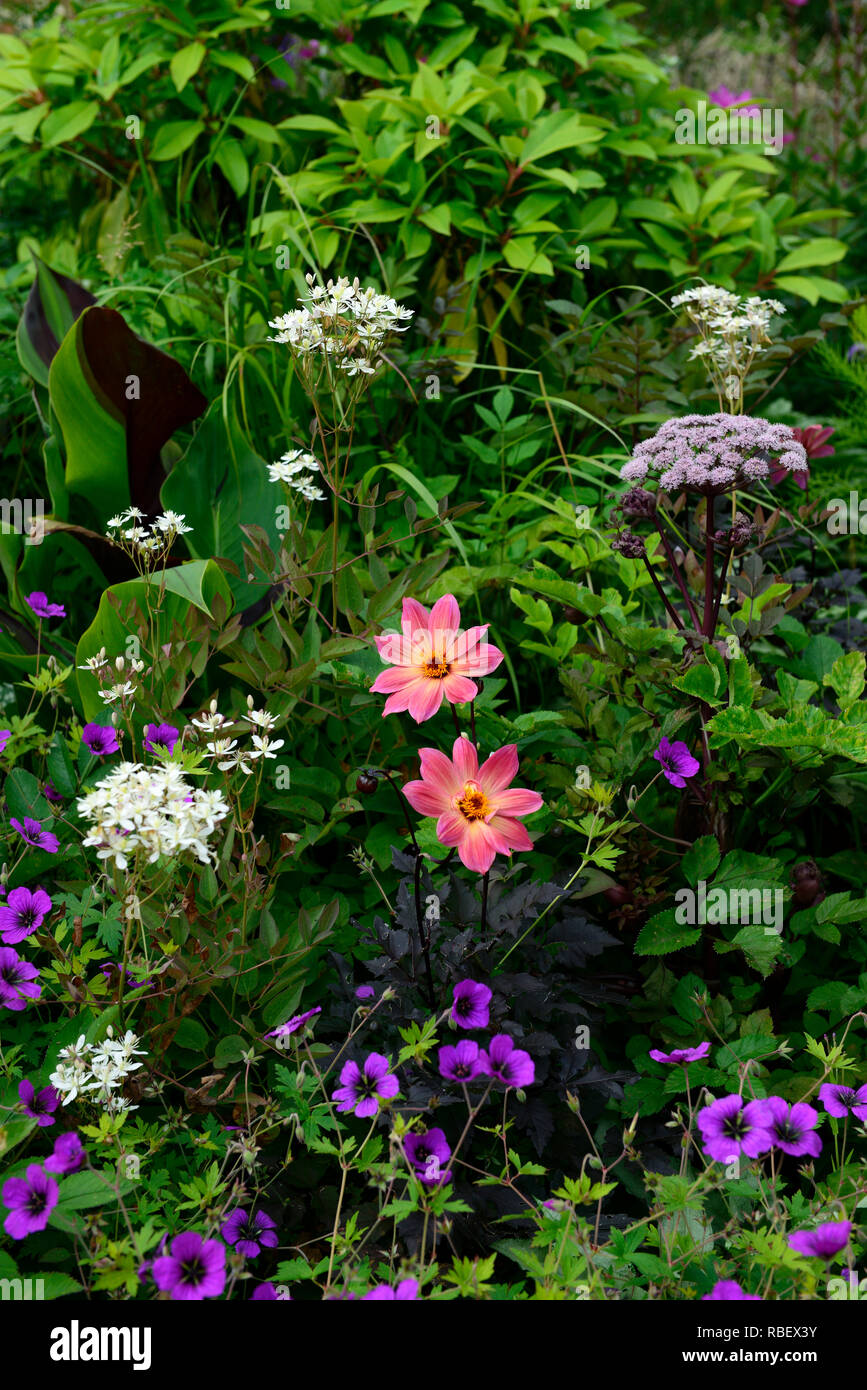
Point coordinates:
[[150, 811]]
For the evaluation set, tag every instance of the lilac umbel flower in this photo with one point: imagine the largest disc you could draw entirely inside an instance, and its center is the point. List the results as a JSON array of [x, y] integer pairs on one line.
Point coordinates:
[[825, 1242], [293, 1024], [38, 601], [714, 453], [681, 1055], [194, 1270], [728, 1291], [266, 1293], [5, 735], [729, 1128], [507, 1063], [17, 980], [460, 1063], [471, 1004], [428, 1154], [30, 1200], [837, 1099], [31, 831], [23, 913], [791, 1128], [100, 739], [362, 1088], [676, 761], [161, 736], [67, 1155], [249, 1233], [380, 1293], [365, 992], [40, 1107]]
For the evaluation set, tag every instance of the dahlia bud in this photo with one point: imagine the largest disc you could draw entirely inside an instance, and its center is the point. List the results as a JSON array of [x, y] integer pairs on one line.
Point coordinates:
[[366, 783]]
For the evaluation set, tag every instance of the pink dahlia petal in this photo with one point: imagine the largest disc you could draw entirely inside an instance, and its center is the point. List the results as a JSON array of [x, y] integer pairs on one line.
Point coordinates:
[[414, 614], [445, 615], [450, 828], [479, 846], [424, 798], [498, 770], [440, 771], [426, 696], [458, 689], [466, 760], [387, 682], [517, 801], [511, 832]]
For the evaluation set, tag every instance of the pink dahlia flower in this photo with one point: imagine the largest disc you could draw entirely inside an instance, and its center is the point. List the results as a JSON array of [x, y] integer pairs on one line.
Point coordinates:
[[477, 811], [432, 657]]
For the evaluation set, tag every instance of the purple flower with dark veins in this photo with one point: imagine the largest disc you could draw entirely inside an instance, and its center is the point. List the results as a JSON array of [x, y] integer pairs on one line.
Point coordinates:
[[406, 1290], [791, 1128], [32, 833], [38, 602], [460, 1063], [428, 1154], [471, 1004], [249, 1234], [837, 1099], [677, 762], [30, 1200], [823, 1243], [266, 1293], [728, 1291], [40, 1107], [67, 1155], [681, 1055], [293, 1024], [194, 1270], [507, 1063], [17, 980], [729, 1128], [22, 914], [362, 1089], [101, 739], [161, 736]]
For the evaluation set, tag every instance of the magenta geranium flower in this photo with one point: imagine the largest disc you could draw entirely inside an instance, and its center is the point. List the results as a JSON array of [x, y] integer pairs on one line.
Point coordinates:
[[42, 608], [51, 793], [31, 831], [507, 1063], [433, 659], [67, 1155], [5, 735], [792, 1128], [729, 1128], [40, 1107], [825, 1242], [266, 1293], [194, 1270], [837, 1099], [677, 762], [365, 992], [681, 1055], [100, 739], [476, 809], [17, 980], [30, 1200], [429, 1154], [471, 1004], [362, 1089], [725, 97], [22, 914], [460, 1063], [293, 1024], [728, 1291], [249, 1234], [163, 736], [406, 1290]]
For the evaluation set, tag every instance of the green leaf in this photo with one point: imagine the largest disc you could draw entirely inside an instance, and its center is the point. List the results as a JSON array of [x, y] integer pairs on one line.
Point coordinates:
[[186, 63], [846, 678], [174, 138], [663, 933], [700, 681], [230, 1049], [69, 121], [53, 305], [559, 130], [192, 1037], [59, 766], [822, 250], [760, 944], [231, 161], [701, 861]]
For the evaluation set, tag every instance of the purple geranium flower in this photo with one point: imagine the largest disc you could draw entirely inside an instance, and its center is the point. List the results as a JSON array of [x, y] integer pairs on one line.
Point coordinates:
[[825, 1242], [728, 1128], [728, 1291], [100, 739], [725, 97], [365, 992], [194, 1270], [293, 1024], [17, 980], [507, 1063], [460, 1063], [51, 793], [23, 913], [264, 1293], [471, 1004], [31, 831], [161, 736], [5, 735], [677, 762], [39, 1107], [68, 1154], [791, 1128], [429, 1153], [38, 601], [362, 1088], [380, 1293], [30, 1200], [681, 1055], [838, 1100], [249, 1233]]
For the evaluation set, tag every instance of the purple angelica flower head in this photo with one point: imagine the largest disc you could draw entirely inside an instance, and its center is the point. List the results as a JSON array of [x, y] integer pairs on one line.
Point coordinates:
[[161, 736], [32, 833], [681, 1055], [471, 1004], [248, 1234], [507, 1063], [67, 1155], [791, 1128], [17, 980], [266, 1293], [362, 1089], [837, 1099], [194, 1270], [676, 761], [728, 1291], [100, 739], [460, 1063], [729, 1128], [293, 1024], [42, 608], [825, 1242], [714, 453], [406, 1290], [39, 1107], [30, 1200], [429, 1153], [23, 913]]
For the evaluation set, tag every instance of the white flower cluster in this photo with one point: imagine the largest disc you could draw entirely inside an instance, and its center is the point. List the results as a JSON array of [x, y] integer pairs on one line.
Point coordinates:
[[734, 332], [123, 689], [344, 324], [152, 809], [96, 1070], [224, 750], [152, 544], [296, 470]]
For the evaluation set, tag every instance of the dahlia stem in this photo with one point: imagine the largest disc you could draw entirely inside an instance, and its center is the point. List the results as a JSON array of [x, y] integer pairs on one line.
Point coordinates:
[[485, 881], [422, 935]]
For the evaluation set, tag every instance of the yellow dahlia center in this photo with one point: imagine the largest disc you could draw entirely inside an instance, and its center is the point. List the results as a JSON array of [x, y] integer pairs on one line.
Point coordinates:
[[436, 670], [474, 805]]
